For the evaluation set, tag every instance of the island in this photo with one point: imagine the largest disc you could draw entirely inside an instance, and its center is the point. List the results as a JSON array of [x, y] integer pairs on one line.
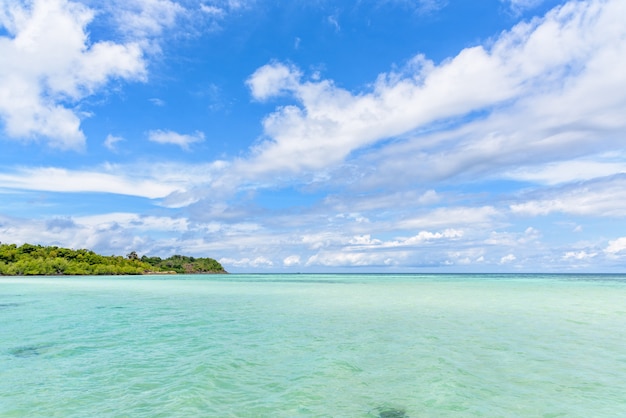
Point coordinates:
[[38, 260]]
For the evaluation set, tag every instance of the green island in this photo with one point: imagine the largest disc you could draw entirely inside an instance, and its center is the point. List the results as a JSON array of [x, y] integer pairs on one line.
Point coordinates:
[[37, 260]]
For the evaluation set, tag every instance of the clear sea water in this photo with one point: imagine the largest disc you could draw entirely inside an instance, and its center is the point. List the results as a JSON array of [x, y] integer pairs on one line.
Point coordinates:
[[388, 346]]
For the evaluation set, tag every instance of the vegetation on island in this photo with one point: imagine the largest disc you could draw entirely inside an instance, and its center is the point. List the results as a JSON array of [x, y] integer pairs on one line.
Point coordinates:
[[31, 260]]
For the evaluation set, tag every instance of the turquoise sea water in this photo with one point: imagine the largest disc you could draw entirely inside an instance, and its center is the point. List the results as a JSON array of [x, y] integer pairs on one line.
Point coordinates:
[[390, 346]]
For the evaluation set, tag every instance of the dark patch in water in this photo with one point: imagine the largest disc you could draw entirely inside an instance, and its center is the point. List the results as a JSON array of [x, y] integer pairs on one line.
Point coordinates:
[[27, 351], [8, 305], [385, 412]]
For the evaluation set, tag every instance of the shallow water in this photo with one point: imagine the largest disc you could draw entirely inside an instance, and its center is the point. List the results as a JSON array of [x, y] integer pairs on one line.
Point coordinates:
[[391, 346]]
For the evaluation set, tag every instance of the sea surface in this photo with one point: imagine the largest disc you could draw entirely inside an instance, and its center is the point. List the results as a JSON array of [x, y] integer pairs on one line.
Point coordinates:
[[387, 346]]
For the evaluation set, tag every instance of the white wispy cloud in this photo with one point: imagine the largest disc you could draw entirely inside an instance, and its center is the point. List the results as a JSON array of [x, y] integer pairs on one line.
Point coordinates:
[[247, 262], [111, 140], [571, 55], [73, 181], [170, 137], [144, 19], [604, 197], [521, 5], [575, 170], [351, 259]]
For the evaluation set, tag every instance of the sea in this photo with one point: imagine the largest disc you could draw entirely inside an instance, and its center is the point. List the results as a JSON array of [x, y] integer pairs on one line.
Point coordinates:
[[314, 345]]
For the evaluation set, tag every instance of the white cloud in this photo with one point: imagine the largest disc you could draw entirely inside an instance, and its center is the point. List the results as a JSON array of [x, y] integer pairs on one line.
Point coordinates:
[[49, 64], [169, 137], [258, 262], [361, 240], [509, 258], [366, 241], [157, 102], [616, 248], [212, 10], [579, 255], [349, 259], [292, 260], [419, 6], [143, 19], [332, 20], [601, 197], [111, 140], [521, 5], [520, 81], [273, 79], [62, 180], [568, 171], [451, 216]]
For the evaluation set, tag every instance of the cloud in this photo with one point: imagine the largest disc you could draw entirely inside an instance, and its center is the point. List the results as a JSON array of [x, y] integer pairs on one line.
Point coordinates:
[[273, 79], [49, 65], [605, 197], [157, 102], [616, 248], [509, 258], [332, 20], [422, 6], [68, 181], [292, 260], [423, 237], [579, 255], [212, 10], [349, 259], [451, 216], [571, 171], [483, 111], [169, 137], [519, 6], [144, 19], [247, 262], [111, 140]]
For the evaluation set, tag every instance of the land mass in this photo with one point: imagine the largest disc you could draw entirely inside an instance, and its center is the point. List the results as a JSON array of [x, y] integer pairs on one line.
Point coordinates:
[[37, 260]]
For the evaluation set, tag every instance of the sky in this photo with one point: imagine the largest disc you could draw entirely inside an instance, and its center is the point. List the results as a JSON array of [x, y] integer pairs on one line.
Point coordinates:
[[319, 135]]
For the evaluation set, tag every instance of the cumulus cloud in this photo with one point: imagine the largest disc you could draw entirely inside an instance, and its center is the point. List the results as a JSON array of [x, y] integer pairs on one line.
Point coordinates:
[[572, 55], [509, 258], [423, 237], [292, 260], [579, 255], [170, 137], [273, 79], [616, 248], [49, 65]]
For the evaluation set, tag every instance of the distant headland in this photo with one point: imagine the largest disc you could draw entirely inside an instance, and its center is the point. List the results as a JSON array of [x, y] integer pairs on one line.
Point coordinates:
[[38, 260]]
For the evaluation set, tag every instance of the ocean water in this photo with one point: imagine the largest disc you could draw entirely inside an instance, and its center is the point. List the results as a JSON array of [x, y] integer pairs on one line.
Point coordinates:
[[387, 346]]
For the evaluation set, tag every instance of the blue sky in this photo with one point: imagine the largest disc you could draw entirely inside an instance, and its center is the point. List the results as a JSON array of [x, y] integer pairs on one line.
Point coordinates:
[[314, 136]]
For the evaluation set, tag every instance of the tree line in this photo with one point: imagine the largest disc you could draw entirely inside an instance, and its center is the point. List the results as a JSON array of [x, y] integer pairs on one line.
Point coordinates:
[[31, 260]]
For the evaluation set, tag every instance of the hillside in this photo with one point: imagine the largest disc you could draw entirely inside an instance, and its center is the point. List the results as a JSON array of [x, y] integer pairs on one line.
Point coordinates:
[[31, 260]]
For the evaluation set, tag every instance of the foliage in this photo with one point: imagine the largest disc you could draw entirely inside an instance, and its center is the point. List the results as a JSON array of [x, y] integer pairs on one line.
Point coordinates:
[[28, 259], [185, 265]]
